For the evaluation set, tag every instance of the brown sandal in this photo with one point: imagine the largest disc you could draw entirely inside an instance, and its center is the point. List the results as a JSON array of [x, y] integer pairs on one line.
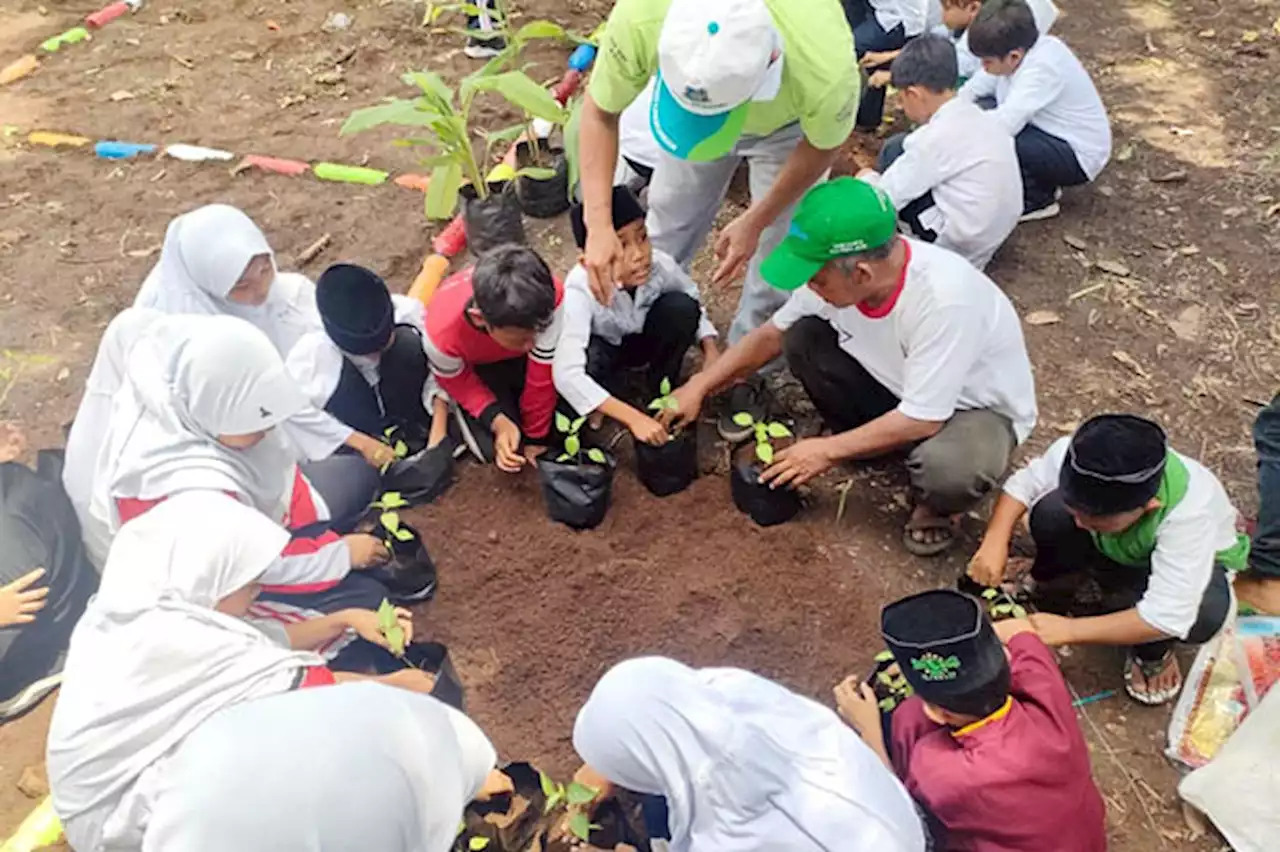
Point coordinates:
[[928, 524]]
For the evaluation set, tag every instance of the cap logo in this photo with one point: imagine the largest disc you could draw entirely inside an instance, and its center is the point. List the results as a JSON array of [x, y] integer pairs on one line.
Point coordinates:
[[263, 413], [697, 95], [935, 668], [850, 247]]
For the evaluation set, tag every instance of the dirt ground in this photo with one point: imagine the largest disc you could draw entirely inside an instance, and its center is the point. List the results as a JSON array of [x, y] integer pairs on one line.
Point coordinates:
[[1153, 292]]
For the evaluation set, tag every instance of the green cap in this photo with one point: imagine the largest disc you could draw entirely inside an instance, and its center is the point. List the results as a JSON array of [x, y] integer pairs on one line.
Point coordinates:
[[834, 219]]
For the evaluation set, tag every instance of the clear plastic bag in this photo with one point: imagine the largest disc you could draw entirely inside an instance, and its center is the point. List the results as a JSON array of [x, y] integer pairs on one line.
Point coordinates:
[[1211, 706]]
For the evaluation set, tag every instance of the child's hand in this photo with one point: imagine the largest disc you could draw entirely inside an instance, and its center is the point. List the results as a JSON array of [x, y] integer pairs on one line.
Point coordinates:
[[988, 565], [366, 550], [17, 604], [1011, 627], [365, 623], [376, 453], [856, 702], [649, 431], [13, 442], [879, 80], [506, 444], [496, 784], [414, 680], [874, 58]]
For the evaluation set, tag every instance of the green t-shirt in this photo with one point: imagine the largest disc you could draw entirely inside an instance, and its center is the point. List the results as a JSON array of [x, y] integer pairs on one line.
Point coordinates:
[[819, 72]]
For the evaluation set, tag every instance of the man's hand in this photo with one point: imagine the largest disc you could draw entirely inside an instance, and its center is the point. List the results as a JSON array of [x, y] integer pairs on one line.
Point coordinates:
[[856, 702], [366, 625], [649, 431], [710, 353], [987, 567], [1053, 630], [872, 58], [19, 603], [366, 550], [799, 463], [506, 444], [879, 80], [375, 452], [689, 398], [602, 258], [735, 246]]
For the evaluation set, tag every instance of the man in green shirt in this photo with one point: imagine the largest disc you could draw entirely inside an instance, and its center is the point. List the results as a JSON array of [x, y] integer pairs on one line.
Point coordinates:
[[773, 82]]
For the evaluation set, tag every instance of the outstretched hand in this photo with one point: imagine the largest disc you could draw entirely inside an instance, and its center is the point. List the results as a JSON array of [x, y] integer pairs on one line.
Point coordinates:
[[602, 258], [689, 398], [797, 464], [734, 247]]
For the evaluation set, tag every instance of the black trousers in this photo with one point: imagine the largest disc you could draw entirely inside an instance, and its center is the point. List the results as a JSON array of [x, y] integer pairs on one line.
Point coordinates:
[[870, 37], [1047, 163], [1063, 549], [506, 380], [669, 330], [909, 214]]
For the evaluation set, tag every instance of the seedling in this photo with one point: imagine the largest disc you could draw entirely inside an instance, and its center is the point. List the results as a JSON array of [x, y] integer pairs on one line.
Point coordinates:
[[844, 489], [476, 844], [765, 432], [393, 530], [389, 624], [1000, 606], [575, 795], [890, 683], [390, 500], [573, 451]]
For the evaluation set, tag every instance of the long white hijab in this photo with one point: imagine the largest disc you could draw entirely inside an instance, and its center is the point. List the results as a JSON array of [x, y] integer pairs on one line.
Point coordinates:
[[180, 382], [151, 659], [204, 254], [348, 767], [745, 764]]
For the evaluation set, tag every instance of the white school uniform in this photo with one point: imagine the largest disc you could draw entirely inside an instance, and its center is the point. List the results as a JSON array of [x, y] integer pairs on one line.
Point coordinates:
[[1187, 540], [585, 317], [912, 14], [1044, 11], [1053, 91], [964, 156], [951, 341]]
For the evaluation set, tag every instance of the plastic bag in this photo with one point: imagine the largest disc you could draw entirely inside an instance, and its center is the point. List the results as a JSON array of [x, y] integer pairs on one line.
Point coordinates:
[[423, 477], [494, 220], [671, 467], [1258, 655], [576, 495], [543, 199], [766, 506], [1211, 706], [409, 575], [433, 658]]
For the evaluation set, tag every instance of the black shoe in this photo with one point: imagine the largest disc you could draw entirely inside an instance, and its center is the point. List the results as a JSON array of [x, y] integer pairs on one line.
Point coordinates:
[[746, 398], [475, 437], [479, 47], [31, 694]]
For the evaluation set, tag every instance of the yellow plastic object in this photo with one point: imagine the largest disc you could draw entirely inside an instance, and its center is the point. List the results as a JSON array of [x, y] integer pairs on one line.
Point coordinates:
[[433, 271], [41, 828], [44, 137], [18, 69]]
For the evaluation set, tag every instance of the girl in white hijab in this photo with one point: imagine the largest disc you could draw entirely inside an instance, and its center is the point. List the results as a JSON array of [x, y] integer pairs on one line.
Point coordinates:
[[161, 649], [216, 261], [744, 764], [293, 773]]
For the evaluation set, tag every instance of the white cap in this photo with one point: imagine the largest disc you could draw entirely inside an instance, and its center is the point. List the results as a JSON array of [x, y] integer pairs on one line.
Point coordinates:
[[715, 55]]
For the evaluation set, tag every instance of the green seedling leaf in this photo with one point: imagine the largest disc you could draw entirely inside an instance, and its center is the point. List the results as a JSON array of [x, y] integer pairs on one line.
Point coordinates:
[[742, 418], [405, 113], [580, 794], [540, 29], [548, 786], [389, 624], [884, 657], [391, 500], [536, 173], [462, 826], [764, 452], [886, 705], [885, 678], [475, 844], [990, 594], [442, 191], [562, 422], [390, 521], [664, 387], [388, 432], [402, 449], [500, 173], [525, 94], [1019, 611], [596, 456], [563, 457], [577, 424], [404, 534], [506, 134], [572, 444], [673, 403], [657, 405], [580, 825], [777, 430], [1002, 609]]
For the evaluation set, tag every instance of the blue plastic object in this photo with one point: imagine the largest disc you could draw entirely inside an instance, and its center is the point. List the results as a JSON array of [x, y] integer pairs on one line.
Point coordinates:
[[121, 150], [582, 57]]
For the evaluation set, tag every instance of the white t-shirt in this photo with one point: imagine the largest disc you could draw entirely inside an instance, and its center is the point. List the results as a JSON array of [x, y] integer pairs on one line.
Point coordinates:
[[1187, 541], [1043, 11], [635, 136], [951, 341], [964, 156], [912, 14], [1053, 91]]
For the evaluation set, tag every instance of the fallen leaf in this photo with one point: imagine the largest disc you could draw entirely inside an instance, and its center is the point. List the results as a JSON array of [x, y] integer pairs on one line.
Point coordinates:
[[242, 56], [1124, 154], [1113, 267], [329, 78], [63, 375], [1170, 177], [1186, 326], [1042, 318], [1249, 36], [122, 95], [1187, 251], [1106, 191], [1207, 33], [1075, 242], [1218, 265], [1129, 361]]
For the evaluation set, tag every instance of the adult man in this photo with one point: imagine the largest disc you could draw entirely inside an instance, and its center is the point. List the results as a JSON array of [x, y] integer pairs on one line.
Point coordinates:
[[771, 81], [901, 346]]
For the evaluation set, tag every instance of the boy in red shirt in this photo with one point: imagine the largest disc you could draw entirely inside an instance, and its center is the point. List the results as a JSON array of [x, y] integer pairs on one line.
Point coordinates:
[[989, 745], [491, 337]]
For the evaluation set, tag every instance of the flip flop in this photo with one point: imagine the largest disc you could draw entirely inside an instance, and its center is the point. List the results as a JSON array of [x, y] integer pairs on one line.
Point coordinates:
[[928, 548], [1151, 669]]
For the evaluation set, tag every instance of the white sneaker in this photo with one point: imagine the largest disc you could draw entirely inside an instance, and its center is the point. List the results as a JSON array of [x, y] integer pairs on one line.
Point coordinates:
[[1046, 212], [479, 48], [30, 696]]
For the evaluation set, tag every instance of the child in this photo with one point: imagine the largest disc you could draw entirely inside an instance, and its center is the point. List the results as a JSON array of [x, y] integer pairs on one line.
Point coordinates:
[[368, 367], [957, 15], [1154, 527], [988, 745], [491, 337], [1045, 100], [880, 29], [652, 321], [955, 179]]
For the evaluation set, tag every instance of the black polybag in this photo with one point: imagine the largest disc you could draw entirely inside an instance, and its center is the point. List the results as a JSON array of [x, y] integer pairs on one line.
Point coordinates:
[[422, 477], [766, 506], [494, 220], [409, 575], [576, 495], [543, 199], [433, 658], [669, 468]]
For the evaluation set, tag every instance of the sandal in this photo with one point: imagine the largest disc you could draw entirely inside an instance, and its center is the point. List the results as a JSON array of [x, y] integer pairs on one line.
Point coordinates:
[[928, 524], [1151, 669]]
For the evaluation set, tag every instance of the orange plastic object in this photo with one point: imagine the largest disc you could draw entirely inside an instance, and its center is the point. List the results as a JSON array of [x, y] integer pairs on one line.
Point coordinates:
[[419, 182], [452, 241], [44, 137], [107, 14], [293, 168], [18, 69], [429, 278]]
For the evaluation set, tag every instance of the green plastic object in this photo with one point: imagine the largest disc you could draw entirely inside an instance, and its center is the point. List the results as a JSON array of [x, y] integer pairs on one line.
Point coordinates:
[[349, 174], [71, 36]]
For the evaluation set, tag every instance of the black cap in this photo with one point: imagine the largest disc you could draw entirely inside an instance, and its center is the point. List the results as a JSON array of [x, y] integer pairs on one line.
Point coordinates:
[[1114, 464], [355, 307], [948, 651], [626, 209]]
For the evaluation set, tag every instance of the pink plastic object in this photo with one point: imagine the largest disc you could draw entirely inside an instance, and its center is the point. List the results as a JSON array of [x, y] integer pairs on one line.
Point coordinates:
[[107, 14], [452, 241], [293, 168], [567, 86]]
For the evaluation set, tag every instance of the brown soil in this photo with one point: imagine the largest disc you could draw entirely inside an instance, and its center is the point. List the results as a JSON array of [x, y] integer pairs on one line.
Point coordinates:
[[1178, 322]]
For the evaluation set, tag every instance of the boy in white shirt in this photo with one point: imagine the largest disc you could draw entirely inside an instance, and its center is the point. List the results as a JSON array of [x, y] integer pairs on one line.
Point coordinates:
[[1153, 527], [880, 29], [955, 179], [651, 322], [1044, 98], [957, 15]]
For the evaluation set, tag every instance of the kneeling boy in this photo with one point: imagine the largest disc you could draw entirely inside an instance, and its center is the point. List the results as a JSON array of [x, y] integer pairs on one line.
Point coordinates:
[[491, 336], [955, 179], [652, 321], [1045, 100], [1155, 528], [989, 745]]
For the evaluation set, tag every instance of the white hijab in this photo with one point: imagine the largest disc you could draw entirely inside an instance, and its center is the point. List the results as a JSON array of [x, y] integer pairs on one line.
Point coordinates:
[[151, 659], [205, 252], [745, 764], [348, 767], [185, 381]]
